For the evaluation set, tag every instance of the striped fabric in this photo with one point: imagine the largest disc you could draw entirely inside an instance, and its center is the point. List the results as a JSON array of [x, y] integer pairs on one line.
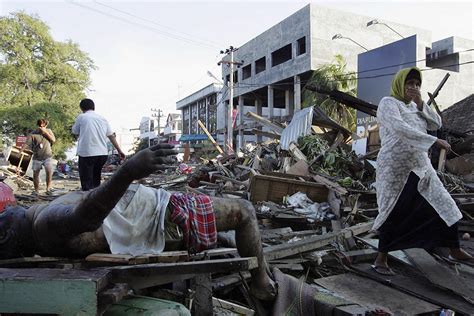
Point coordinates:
[[194, 214]]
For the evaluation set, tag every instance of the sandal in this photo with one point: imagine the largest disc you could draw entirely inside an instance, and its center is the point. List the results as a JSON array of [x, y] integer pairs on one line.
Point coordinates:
[[383, 270], [467, 261]]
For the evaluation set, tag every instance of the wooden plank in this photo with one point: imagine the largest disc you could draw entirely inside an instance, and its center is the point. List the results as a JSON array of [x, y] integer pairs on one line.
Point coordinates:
[[373, 295], [51, 291], [112, 295], [271, 188], [441, 275], [265, 122], [418, 287], [116, 258], [398, 255], [265, 134], [27, 261], [219, 149], [308, 244], [147, 275], [330, 184], [275, 232], [238, 309], [229, 280], [196, 267], [203, 298], [296, 152], [300, 168], [210, 253], [361, 255]]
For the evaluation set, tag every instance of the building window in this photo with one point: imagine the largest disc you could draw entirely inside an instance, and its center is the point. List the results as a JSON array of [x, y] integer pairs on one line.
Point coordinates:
[[260, 65], [186, 120], [247, 71], [236, 77], [202, 111], [281, 55], [194, 118], [301, 46], [227, 79]]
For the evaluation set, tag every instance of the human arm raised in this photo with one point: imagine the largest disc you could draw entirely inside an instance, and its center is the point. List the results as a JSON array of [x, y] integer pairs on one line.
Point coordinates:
[[432, 118], [47, 133], [88, 214]]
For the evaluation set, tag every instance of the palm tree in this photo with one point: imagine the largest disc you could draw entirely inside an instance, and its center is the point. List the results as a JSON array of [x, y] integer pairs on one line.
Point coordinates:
[[333, 76]]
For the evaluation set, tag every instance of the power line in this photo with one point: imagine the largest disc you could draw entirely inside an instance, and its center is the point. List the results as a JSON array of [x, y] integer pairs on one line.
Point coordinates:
[[243, 85], [402, 64], [153, 22], [150, 28]]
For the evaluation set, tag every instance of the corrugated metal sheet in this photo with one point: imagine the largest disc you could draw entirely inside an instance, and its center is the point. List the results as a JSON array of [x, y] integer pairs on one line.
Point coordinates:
[[300, 125]]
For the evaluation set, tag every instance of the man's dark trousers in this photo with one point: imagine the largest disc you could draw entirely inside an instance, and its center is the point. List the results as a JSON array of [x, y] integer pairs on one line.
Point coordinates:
[[90, 170]]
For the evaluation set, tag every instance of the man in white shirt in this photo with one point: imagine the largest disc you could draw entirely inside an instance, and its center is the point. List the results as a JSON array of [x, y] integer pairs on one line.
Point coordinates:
[[92, 130]]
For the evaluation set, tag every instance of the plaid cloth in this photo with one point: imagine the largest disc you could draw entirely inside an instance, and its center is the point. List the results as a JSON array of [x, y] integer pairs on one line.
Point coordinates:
[[195, 216]]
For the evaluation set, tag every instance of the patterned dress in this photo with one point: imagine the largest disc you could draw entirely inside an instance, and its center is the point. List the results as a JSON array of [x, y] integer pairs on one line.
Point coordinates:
[[404, 149]]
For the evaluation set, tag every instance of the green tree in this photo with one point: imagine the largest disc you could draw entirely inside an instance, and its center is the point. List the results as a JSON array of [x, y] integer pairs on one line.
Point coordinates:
[[40, 73], [333, 76]]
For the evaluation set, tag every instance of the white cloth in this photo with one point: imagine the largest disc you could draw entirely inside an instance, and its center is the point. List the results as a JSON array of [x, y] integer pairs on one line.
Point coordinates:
[[404, 148], [136, 225], [93, 130]]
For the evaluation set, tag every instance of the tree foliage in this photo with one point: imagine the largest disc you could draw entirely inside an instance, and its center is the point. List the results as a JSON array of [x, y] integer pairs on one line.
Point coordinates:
[[333, 76], [39, 75]]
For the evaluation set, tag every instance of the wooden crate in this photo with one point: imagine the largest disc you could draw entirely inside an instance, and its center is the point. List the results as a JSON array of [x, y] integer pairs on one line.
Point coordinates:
[[273, 188]]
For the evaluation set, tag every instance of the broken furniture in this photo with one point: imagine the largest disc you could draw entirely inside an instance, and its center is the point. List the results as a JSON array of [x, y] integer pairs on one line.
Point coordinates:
[[90, 290]]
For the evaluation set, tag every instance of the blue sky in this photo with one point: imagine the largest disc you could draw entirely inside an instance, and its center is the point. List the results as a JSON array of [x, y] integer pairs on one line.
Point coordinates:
[[150, 54]]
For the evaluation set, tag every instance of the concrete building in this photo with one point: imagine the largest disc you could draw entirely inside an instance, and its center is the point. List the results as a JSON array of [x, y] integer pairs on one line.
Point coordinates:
[[147, 130], [173, 128], [276, 64], [201, 105]]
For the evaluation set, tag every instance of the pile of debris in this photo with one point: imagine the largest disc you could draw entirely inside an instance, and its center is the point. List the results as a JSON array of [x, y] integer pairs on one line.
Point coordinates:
[[315, 201]]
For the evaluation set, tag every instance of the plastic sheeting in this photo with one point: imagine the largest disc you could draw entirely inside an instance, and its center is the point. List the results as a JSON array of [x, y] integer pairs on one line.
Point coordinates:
[[300, 125]]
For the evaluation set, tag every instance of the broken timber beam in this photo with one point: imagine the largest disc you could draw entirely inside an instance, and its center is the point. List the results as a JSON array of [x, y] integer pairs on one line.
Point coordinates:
[[219, 149], [308, 244], [264, 122], [296, 152], [265, 134], [147, 275]]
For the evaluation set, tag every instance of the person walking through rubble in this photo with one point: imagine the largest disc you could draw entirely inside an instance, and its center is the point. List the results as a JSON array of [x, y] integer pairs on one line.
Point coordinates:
[[93, 131], [415, 210], [39, 142]]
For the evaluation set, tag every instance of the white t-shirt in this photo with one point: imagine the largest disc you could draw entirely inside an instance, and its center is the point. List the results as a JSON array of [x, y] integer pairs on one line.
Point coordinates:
[[93, 130]]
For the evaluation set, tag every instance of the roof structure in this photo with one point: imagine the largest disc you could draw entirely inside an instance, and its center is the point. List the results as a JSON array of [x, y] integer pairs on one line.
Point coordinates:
[[460, 116]]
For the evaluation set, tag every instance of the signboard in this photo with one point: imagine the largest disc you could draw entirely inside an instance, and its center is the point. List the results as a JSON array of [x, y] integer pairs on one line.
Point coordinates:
[[376, 69], [20, 141]]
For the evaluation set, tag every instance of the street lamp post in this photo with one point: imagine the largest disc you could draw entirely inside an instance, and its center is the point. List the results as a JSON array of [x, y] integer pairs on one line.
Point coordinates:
[[375, 21], [338, 36]]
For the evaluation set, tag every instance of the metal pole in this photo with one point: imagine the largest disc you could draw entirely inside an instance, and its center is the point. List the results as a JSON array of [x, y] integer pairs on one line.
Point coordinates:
[[230, 130]]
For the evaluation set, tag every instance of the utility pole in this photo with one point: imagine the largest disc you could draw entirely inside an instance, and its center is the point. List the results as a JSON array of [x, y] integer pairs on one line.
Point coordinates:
[[230, 130], [158, 113]]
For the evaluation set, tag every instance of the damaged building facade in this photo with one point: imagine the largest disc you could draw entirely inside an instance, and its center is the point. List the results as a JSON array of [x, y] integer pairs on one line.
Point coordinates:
[[201, 105], [275, 65]]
